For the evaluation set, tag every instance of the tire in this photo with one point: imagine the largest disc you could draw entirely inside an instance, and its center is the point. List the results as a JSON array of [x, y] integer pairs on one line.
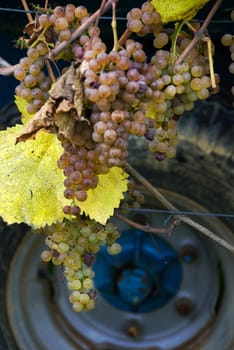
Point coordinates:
[[201, 171], [10, 237]]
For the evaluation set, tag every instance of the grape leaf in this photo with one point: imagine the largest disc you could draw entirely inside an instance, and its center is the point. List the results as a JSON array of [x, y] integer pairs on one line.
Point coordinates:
[[176, 10], [22, 104], [106, 196], [31, 187]]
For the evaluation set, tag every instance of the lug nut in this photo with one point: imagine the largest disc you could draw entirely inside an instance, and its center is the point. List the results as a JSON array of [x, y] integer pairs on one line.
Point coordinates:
[[184, 306], [188, 253], [132, 329]]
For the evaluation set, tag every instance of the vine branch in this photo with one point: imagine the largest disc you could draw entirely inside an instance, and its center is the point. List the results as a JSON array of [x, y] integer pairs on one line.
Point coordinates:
[[200, 32], [202, 229], [147, 228], [28, 14]]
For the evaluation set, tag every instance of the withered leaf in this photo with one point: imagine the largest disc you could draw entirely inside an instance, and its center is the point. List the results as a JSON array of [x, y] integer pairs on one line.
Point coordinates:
[[43, 119], [63, 108]]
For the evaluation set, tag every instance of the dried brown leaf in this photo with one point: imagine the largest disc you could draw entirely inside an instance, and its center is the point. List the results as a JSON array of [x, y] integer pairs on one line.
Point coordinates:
[[63, 108]]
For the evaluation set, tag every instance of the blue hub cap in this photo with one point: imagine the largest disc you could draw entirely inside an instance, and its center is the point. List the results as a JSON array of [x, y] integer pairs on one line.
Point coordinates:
[[143, 277]]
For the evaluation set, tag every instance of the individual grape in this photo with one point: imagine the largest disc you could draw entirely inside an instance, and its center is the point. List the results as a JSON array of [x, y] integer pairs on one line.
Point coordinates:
[[100, 127], [65, 35], [114, 249], [84, 298], [134, 13], [178, 109], [59, 11], [26, 93], [178, 79], [139, 56], [31, 109], [70, 13], [81, 12], [227, 39], [87, 283], [37, 103], [196, 84], [61, 23], [25, 63], [74, 285], [74, 296], [30, 81], [62, 247], [104, 91], [231, 68], [147, 18], [19, 73], [197, 71], [44, 20], [170, 92], [81, 195], [160, 40], [75, 177], [46, 256], [69, 193], [203, 94], [135, 25], [110, 136], [35, 69], [77, 306], [33, 54]]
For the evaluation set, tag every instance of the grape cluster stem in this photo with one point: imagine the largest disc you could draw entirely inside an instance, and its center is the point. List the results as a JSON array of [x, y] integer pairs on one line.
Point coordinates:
[[179, 218]]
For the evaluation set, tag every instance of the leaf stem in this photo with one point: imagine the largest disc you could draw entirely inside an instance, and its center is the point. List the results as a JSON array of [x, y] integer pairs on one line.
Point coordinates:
[[174, 37], [204, 230], [200, 32]]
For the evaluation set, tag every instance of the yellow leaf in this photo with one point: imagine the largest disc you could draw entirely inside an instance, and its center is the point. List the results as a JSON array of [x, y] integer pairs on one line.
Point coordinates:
[[102, 200], [22, 104], [176, 10], [31, 187]]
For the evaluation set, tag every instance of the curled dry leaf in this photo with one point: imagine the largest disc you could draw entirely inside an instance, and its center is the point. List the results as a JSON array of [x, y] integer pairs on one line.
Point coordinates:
[[62, 110]]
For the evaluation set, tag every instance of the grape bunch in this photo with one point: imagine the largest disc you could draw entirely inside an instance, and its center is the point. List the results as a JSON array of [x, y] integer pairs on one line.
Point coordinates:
[[34, 84], [73, 244], [228, 40], [172, 88], [53, 28]]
